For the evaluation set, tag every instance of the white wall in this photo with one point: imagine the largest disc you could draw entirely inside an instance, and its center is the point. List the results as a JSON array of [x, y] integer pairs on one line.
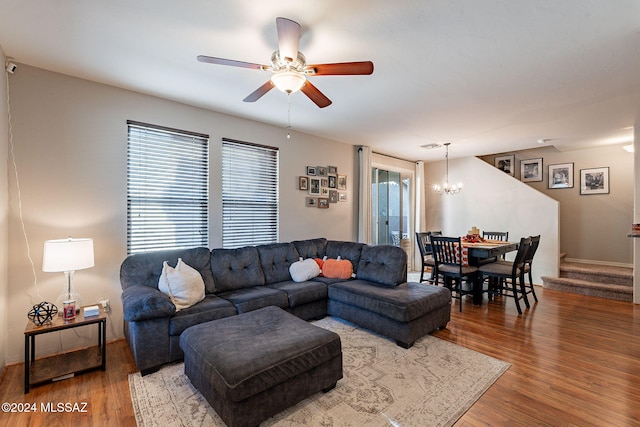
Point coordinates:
[[4, 212], [493, 201], [70, 143]]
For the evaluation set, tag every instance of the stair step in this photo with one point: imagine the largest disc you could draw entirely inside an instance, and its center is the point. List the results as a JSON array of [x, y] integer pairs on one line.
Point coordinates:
[[605, 274], [585, 287]]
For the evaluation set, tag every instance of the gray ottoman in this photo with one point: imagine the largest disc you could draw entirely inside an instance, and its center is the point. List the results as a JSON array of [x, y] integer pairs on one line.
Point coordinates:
[[254, 365]]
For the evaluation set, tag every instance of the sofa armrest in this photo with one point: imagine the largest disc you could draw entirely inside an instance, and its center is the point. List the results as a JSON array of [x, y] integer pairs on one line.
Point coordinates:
[[144, 302]]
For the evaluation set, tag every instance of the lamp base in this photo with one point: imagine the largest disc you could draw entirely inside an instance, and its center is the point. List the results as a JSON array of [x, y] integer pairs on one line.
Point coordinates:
[[68, 296]]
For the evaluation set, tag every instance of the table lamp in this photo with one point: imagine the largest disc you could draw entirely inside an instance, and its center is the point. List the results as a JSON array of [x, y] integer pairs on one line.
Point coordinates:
[[67, 255]]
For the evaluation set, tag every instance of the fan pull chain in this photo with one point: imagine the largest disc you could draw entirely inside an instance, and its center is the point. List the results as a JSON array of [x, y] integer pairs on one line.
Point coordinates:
[[288, 115]]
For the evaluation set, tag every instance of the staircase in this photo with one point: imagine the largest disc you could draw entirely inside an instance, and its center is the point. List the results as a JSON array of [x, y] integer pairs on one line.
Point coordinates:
[[593, 279]]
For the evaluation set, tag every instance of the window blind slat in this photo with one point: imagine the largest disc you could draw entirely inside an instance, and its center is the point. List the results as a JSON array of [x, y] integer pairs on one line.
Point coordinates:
[[249, 194], [167, 189]]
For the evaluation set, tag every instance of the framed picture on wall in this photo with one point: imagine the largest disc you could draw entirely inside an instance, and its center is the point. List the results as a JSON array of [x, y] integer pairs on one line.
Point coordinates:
[[561, 175], [594, 181], [303, 183], [506, 164], [323, 202], [311, 202], [314, 186], [531, 170], [342, 182], [311, 170]]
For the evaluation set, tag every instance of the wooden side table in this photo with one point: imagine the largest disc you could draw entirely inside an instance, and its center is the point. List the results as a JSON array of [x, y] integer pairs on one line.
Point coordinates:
[[48, 368]]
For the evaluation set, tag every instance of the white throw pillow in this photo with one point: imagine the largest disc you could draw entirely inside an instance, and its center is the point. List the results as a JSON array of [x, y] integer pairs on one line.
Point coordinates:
[[304, 270], [183, 284]]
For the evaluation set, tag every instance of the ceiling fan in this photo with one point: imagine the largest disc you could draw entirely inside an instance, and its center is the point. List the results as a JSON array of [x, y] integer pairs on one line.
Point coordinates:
[[290, 69]]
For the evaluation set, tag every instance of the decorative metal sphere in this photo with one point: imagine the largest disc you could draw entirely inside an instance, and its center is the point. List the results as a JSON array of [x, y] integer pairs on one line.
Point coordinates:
[[42, 313]]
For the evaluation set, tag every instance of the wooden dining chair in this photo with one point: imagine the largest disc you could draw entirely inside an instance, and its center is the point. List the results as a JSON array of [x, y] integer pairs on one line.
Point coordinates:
[[458, 278], [496, 235], [509, 276], [528, 260], [426, 254]]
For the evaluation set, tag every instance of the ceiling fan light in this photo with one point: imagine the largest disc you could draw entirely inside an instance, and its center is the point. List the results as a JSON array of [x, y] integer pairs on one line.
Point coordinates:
[[289, 81]]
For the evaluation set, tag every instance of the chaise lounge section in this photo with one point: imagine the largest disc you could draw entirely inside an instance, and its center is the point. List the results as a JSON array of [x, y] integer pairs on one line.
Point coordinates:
[[242, 280]]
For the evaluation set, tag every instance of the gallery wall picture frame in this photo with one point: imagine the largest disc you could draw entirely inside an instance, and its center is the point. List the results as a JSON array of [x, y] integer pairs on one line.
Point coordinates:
[[311, 170], [311, 202], [506, 164], [322, 170], [303, 183], [333, 170], [531, 170], [333, 196], [314, 186], [560, 176], [333, 181], [594, 181], [342, 182], [342, 197], [323, 202]]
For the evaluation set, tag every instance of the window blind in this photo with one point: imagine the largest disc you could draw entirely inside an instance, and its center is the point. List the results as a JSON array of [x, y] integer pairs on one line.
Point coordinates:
[[167, 188], [249, 194]]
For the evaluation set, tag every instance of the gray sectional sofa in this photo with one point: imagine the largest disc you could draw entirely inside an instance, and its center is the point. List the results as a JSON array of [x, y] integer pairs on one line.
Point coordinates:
[[378, 297]]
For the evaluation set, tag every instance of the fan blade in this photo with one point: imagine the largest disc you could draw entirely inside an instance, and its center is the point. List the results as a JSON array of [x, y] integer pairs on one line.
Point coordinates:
[[258, 93], [231, 62], [340, 69], [315, 95], [288, 38]]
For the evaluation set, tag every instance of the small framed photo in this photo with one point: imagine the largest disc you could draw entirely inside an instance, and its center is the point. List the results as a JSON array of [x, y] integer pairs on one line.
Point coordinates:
[[506, 164], [594, 181], [314, 186], [342, 197], [311, 202], [333, 196], [333, 181], [311, 170], [560, 175], [303, 183], [531, 170], [323, 203], [342, 182], [324, 191], [322, 170], [333, 170], [324, 182]]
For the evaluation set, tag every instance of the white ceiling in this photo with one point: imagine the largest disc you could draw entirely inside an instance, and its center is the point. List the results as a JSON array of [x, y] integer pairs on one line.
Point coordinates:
[[489, 76]]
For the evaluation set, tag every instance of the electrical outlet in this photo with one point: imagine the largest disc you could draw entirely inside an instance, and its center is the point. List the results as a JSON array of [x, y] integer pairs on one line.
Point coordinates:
[[105, 305]]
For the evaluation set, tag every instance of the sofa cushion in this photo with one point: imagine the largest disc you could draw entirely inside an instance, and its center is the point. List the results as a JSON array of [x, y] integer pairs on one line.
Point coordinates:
[[210, 308], [345, 250], [312, 248], [275, 260], [236, 268], [384, 264], [249, 299], [403, 303], [145, 269], [304, 269], [337, 269], [300, 293], [183, 284], [144, 302]]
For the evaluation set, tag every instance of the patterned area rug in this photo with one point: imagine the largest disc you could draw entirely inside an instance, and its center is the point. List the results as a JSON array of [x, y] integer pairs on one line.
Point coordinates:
[[431, 384]]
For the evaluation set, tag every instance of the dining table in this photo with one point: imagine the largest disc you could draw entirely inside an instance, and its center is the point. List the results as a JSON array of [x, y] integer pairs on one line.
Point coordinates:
[[478, 253]]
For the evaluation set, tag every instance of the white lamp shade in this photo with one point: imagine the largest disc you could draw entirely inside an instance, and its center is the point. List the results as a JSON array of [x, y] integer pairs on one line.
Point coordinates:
[[67, 255]]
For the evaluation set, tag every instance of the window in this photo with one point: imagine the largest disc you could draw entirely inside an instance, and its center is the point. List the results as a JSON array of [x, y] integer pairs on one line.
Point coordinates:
[[249, 194], [167, 188]]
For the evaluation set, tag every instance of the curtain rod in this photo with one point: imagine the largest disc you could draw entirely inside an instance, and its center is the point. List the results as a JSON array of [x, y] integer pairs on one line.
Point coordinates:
[[394, 157]]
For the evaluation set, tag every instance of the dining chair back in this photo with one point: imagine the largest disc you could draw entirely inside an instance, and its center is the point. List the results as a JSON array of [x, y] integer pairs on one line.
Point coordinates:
[[509, 275], [496, 235], [535, 242], [426, 254], [460, 279]]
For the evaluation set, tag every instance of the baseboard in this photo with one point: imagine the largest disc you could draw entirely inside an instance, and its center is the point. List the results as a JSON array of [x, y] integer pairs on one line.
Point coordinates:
[[588, 261]]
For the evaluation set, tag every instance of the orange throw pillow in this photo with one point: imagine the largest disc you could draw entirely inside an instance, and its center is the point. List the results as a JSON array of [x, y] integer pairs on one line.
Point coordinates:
[[337, 269], [320, 262]]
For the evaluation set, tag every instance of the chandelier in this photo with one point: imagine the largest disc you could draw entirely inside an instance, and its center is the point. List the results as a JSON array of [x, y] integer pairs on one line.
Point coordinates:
[[445, 187]]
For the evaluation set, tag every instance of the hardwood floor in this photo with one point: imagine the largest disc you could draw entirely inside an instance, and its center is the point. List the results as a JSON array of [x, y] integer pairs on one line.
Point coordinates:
[[575, 362]]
